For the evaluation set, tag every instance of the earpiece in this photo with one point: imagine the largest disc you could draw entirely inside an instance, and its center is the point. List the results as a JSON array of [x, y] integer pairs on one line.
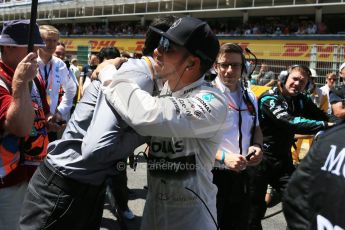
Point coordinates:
[[191, 65]]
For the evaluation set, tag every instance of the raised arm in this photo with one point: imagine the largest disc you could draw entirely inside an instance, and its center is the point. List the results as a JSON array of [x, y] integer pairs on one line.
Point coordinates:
[[20, 114], [202, 115]]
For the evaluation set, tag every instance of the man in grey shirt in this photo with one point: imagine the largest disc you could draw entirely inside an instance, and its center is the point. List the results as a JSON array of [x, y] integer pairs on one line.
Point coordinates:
[[67, 192]]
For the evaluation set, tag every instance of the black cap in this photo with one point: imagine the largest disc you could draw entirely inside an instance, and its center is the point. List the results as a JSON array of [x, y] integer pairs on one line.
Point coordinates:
[[195, 35], [15, 33]]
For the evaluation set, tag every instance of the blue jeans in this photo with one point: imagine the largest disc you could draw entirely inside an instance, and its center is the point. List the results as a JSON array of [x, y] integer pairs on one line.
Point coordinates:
[[53, 201]]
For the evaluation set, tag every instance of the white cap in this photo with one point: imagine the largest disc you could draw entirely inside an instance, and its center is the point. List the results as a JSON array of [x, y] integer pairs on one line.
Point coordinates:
[[342, 67], [313, 72]]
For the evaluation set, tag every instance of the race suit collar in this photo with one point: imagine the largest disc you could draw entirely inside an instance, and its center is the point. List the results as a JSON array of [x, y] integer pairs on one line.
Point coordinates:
[[166, 89]]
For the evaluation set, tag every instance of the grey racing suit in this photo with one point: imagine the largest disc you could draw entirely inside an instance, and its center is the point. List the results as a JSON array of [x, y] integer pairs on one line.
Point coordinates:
[[187, 128]]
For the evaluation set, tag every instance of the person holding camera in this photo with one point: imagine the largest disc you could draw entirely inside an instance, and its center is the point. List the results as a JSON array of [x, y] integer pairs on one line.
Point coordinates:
[[242, 140], [284, 110]]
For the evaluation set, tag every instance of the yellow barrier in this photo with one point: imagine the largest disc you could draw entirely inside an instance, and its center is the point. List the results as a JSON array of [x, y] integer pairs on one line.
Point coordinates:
[[258, 89], [302, 146]]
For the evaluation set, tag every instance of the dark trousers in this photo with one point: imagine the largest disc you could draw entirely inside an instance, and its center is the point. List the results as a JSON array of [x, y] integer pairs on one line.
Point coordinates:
[[233, 199], [275, 172], [56, 202], [119, 188]]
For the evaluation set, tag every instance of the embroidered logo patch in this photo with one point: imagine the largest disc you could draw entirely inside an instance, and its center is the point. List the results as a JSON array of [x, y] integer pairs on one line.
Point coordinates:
[[208, 97]]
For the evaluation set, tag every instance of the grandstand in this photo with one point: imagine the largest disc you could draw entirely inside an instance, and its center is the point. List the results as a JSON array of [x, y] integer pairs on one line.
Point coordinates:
[[62, 11], [122, 23]]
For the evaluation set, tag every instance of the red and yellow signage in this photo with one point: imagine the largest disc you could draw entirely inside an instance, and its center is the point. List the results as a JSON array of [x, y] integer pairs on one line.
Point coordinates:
[[264, 49], [96, 44]]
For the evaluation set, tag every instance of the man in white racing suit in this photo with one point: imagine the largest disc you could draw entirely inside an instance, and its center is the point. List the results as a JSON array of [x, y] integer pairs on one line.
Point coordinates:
[[185, 123]]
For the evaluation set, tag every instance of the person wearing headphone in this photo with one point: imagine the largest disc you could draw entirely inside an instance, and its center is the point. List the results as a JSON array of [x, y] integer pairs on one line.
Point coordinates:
[[284, 111], [242, 137]]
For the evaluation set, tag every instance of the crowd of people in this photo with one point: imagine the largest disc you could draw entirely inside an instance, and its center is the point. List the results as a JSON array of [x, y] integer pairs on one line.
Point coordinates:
[[214, 146], [252, 27]]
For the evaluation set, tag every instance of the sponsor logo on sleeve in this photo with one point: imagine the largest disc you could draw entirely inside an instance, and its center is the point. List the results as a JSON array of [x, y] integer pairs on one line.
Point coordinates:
[[208, 97]]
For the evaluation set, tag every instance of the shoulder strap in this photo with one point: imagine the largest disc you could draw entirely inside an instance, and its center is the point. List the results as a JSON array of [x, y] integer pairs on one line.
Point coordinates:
[[252, 111], [148, 61], [43, 95], [155, 86]]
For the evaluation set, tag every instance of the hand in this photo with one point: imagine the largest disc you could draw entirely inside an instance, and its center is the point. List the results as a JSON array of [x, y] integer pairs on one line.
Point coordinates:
[[55, 123], [257, 157], [26, 69], [117, 62], [235, 162]]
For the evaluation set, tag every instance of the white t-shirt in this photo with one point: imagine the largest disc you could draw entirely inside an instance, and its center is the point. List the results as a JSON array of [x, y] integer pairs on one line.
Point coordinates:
[[325, 91]]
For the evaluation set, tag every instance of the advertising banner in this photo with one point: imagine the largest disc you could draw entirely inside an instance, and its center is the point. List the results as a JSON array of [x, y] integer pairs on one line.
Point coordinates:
[[264, 49]]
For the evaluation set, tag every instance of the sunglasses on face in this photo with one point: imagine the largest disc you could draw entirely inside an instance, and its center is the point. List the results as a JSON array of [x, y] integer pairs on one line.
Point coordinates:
[[165, 45]]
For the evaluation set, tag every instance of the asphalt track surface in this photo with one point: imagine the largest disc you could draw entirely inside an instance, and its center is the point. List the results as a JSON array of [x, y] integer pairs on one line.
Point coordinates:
[[136, 183]]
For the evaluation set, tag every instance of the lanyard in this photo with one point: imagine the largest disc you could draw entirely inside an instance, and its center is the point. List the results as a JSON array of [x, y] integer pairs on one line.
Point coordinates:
[[48, 76], [232, 105]]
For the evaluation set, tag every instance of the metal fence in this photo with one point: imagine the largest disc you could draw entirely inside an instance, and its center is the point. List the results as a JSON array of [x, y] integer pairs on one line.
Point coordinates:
[[324, 59]]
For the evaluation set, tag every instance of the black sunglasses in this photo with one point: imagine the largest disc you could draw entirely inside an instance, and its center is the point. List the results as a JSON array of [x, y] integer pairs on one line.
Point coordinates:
[[165, 44]]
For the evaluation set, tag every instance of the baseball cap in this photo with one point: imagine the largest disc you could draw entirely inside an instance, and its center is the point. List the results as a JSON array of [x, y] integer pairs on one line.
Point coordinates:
[[342, 67], [194, 35], [15, 33]]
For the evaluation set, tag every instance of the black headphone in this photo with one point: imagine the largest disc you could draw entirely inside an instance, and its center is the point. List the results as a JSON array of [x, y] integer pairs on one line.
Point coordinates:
[[236, 48], [284, 78]]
